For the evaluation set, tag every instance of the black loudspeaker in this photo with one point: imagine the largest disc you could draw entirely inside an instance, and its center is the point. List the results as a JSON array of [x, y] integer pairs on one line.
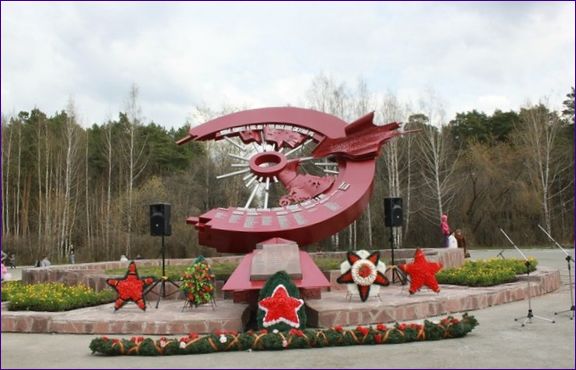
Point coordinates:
[[160, 219], [393, 212]]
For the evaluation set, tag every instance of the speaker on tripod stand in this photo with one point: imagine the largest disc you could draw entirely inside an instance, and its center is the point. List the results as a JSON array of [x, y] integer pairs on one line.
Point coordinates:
[[160, 226], [393, 217]]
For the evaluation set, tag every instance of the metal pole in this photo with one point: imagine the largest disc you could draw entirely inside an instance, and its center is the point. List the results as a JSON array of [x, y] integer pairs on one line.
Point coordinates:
[[163, 258], [392, 245], [514, 245], [555, 242], [530, 315]]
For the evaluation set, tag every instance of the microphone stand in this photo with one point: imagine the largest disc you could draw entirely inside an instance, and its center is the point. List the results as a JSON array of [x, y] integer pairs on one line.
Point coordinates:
[[396, 273], [163, 280], [530, 315], [568, 260]]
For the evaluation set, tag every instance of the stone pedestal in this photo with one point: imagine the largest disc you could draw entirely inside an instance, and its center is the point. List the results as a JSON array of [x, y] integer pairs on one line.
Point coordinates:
[[249, 277], [275, 255]]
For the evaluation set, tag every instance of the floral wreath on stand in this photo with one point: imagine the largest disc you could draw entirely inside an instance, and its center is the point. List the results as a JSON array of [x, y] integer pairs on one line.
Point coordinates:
[[364, 273], [198, 283]]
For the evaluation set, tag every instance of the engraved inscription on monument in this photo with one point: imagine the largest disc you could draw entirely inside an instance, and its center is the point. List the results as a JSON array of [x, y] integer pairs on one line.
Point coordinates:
[[271, 258]]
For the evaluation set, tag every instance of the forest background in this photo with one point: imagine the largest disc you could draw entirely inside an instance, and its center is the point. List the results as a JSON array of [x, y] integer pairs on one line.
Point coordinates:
[[69, 185]]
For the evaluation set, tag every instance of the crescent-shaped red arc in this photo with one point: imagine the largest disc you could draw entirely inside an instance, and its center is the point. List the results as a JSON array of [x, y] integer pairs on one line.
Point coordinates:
[[308, 215]]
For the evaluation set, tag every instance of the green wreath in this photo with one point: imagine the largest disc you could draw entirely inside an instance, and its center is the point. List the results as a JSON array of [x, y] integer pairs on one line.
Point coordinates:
[[264, 340]]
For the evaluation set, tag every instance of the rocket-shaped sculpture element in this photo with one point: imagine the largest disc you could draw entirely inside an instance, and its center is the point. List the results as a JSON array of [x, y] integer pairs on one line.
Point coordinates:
[[363, 140]]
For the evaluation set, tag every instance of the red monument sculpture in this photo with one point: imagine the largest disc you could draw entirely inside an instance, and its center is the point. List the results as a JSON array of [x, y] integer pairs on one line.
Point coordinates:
[[271, 142]]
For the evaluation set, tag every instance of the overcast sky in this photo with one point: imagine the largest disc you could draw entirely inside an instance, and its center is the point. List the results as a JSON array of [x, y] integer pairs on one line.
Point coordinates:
[[486, 56]]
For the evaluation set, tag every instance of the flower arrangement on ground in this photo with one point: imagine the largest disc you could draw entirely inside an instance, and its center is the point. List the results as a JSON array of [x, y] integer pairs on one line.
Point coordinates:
[[130, 288], [266, 340], [366, 271], [279, 305], [422, 272], [198, 283]]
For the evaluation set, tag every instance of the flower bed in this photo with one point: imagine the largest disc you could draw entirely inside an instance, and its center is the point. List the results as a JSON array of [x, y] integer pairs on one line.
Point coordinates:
[[486, 272], [264, 340], [52, 297]]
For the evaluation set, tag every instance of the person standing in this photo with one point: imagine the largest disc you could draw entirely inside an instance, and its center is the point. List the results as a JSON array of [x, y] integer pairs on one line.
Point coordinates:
[[72, 256], [445, 228], [461, 242], [45, 262], [12, 261]]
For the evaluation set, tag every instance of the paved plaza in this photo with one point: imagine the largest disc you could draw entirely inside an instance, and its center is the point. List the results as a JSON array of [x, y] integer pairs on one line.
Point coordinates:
[[498, 342]]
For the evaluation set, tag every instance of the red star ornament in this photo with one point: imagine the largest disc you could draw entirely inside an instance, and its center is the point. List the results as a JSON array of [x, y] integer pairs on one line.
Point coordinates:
[[422, 272], [280, 307], [363, 272], [130, 288]]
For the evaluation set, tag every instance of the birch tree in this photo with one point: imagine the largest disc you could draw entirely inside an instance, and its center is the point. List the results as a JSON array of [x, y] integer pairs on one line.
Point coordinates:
[[391, 111], [135, 157], [437, 163], [6, 164], [70, 180], [538, 133], [108, 148]]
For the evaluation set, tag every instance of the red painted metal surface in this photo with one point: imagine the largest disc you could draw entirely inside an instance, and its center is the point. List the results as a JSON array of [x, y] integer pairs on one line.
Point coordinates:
[[314, 207]]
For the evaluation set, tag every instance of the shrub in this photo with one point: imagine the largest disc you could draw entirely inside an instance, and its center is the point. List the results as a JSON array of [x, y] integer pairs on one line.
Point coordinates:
[[52, 296], [485, 272]]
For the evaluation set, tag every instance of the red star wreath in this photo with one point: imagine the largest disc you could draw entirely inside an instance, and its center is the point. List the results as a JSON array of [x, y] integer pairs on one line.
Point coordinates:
[[280, 307], [422, 272], [130, 288], [364, 270]]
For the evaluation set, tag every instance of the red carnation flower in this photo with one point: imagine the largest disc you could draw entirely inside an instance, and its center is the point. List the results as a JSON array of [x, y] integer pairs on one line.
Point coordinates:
[[362, 329], [296, 332], [193, 335], [381, 327], [137, 340]]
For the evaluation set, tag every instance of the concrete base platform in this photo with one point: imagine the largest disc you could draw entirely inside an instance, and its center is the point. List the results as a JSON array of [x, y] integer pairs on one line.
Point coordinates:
[[394, 304], [168, 319]]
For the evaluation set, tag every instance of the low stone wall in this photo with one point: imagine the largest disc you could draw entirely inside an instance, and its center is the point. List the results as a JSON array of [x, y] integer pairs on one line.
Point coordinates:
[[92, 274], [450, 258]]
